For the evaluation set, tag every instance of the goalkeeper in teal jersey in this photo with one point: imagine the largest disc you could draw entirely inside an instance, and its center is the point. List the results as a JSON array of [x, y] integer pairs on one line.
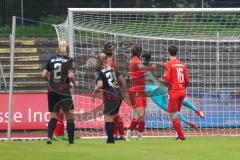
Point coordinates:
[[158, 94]]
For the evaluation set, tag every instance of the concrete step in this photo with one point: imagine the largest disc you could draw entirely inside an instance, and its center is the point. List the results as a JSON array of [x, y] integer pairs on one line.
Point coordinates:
[[19, 42], [23, 70], [23, 75], [29, 84], [23, 66], [47, 42], [21, 59], [26, 79], [30, 90], [19, 54], [23, 62], [18, 50]]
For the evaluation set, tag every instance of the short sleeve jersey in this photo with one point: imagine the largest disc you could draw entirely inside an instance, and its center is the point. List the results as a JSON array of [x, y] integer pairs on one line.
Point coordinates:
[[110, 83], [58, 67], [136, 74], [176, 75]]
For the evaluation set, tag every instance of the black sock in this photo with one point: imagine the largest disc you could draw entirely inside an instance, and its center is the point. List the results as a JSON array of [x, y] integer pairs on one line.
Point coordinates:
[[110, 129], [51, 127], [70, 130]]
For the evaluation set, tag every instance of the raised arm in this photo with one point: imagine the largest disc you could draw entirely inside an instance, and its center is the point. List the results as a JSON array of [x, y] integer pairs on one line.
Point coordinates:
[[143, 68]]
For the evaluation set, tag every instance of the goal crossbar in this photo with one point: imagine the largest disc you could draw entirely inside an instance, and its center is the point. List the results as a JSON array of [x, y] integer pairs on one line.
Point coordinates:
[[154, 10]]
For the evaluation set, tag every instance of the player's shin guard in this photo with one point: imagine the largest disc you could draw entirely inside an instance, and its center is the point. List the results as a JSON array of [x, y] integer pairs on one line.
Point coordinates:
[[109, 126], [178, 126], [141, 126], [70, 131], [133, 124], [51, 127]]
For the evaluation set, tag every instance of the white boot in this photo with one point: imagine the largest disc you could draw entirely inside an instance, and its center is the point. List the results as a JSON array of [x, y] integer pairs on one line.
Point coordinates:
[[128, 135]]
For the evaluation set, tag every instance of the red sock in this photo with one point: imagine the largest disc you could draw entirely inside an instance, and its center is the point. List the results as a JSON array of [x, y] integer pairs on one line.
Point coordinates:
[[120, 127], [115, 126], [141, 126], [133, 124], [59, 130], [178, 126]]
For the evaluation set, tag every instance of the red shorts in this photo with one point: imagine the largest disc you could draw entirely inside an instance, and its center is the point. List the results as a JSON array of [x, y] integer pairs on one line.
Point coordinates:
[[175, 100], [140, 102], [138, 97]]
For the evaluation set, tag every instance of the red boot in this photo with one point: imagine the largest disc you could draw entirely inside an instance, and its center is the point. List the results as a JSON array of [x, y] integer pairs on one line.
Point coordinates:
[[190, 123], [200, 113]]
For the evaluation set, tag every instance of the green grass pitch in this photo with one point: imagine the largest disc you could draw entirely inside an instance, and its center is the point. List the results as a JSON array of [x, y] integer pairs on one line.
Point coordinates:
[[194, 148]]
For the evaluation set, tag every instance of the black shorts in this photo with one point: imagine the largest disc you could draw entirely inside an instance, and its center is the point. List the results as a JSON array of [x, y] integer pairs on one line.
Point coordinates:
[[59, 100], [112, 105]]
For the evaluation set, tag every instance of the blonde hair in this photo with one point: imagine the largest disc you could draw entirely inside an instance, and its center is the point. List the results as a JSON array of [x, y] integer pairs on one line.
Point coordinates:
[[103, 57], [63, 48], [101, 60]]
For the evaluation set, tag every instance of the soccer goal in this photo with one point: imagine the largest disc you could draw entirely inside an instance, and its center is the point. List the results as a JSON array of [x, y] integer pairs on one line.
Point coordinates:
[[208, 42]]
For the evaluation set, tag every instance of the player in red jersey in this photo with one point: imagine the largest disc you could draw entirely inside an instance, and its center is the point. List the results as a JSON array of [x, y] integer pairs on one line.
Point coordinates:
[[118, 123], [137, 91], [176, 76]]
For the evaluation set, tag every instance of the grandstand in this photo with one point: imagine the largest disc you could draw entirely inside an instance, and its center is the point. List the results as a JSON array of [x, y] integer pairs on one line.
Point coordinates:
[[30, 57]]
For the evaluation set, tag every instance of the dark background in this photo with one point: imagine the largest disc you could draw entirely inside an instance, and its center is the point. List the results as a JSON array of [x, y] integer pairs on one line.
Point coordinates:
[[36, 9]]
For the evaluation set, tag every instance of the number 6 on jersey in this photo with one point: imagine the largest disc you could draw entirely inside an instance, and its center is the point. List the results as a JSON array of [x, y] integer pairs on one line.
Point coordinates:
[[180, 75]]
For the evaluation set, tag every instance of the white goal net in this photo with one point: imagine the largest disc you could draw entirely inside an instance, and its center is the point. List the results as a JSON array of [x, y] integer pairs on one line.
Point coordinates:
[[208, 42]]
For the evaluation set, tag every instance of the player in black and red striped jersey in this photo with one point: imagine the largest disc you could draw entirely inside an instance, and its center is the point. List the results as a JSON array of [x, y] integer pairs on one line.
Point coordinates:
[[107, 80], [59, 72], [118, 123]]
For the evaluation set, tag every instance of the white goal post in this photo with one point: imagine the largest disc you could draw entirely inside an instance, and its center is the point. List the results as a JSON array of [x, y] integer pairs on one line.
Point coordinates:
[[208, 41]]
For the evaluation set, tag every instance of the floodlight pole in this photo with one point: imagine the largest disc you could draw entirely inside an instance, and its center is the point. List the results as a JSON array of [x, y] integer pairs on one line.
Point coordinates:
[[12, 48]]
